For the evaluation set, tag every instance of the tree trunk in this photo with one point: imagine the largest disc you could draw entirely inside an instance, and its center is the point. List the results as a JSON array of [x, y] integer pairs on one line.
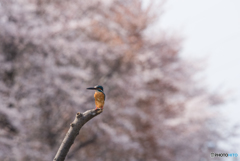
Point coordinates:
[[75, 127]]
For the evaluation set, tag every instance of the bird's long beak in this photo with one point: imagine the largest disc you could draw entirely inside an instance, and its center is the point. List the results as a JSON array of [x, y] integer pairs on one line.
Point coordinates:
[[92, 88]]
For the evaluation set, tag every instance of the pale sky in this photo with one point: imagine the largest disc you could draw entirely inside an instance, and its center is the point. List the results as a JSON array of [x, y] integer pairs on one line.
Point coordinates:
[[211, 29]]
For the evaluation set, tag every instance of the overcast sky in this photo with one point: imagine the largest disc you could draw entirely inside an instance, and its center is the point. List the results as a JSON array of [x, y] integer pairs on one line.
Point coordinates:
[[211, 29]]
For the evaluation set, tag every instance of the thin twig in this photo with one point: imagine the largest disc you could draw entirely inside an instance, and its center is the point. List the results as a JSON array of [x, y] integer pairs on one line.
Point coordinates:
[[75, 127]]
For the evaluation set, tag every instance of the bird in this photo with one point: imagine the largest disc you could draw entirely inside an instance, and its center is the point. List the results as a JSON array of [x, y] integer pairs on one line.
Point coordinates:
[[99, 96]]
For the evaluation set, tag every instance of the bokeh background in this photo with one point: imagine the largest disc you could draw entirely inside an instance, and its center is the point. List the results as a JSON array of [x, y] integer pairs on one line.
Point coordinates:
[[211, 32], [158, 105]]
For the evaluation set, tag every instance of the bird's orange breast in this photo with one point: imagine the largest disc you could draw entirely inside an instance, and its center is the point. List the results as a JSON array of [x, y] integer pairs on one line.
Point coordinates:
[[99, 99]]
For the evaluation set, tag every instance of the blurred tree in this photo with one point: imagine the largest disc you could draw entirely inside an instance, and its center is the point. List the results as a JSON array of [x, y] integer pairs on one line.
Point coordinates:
[[50, 51]]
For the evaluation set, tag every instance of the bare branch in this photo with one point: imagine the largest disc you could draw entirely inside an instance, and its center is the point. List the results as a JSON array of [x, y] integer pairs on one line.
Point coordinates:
[[75, 127]]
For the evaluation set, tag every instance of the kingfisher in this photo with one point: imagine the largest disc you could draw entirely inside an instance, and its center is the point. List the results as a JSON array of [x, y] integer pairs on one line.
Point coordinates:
[[99, 96]]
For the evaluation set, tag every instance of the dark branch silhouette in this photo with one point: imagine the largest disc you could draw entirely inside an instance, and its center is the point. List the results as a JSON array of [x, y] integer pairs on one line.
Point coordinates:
[[75, 127], [82, 145]]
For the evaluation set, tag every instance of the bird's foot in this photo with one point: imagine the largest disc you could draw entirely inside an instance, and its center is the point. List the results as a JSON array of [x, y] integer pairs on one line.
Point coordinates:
[[99, 108]]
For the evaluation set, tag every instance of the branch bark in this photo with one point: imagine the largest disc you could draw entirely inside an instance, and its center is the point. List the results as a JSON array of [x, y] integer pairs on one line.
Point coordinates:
[[75, 127]]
